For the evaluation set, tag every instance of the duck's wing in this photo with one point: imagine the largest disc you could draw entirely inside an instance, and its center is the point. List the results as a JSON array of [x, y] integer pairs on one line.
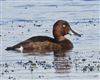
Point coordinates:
[[40, 39], [31, 40]]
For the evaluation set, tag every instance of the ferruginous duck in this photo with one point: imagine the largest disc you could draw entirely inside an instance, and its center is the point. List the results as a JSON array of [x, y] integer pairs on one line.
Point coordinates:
[[45, 43]]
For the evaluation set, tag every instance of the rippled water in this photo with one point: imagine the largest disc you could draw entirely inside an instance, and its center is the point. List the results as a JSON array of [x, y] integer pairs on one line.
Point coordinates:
[[26, 18]]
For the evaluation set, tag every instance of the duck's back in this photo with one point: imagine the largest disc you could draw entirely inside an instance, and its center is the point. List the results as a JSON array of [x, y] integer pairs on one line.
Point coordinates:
[[38, 44], [40, 39]]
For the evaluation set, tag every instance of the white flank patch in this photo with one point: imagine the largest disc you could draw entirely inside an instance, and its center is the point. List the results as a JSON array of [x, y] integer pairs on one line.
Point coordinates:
[[20, 49]]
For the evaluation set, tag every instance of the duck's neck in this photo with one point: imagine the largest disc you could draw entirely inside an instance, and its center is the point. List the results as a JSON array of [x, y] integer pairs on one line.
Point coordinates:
[[60, 38]]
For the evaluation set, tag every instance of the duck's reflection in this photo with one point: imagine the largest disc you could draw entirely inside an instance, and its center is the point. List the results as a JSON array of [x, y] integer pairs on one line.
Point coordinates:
[[61, 65], [61, 62]]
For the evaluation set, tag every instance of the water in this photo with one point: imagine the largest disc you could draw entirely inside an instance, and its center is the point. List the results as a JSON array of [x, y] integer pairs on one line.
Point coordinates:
[[26, 18]]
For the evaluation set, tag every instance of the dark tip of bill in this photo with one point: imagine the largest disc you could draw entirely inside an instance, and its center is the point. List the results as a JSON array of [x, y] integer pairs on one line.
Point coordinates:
[[79, 35]]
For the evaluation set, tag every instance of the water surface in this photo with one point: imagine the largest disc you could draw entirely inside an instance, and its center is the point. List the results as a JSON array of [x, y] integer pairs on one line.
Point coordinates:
[[23, 19]]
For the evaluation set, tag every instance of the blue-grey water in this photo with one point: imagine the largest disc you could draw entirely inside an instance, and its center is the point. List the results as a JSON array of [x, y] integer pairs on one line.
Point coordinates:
[[22, 19]]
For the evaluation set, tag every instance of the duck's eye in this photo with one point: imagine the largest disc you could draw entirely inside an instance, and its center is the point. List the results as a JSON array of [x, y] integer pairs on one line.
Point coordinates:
[[64, 26]]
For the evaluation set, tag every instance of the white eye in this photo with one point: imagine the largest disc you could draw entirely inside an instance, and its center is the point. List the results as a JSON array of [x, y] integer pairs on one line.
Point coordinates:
[[64, 26]]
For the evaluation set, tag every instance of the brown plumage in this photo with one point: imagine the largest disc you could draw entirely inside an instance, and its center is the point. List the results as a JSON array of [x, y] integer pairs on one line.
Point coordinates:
[[45, 43]]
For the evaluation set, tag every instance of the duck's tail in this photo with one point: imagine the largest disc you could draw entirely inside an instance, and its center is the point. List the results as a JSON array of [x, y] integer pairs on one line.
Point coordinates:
[[10, 48]]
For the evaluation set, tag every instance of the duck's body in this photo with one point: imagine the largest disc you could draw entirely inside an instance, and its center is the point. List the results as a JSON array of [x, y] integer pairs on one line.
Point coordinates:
[[41, 44], [45, 43]]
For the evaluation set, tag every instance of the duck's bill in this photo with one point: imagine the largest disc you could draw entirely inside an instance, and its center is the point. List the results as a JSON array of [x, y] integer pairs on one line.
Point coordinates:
[[70, 33], [75, 33]]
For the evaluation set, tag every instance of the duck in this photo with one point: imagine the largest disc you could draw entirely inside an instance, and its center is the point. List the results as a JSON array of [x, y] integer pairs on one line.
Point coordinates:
[[46, 44]]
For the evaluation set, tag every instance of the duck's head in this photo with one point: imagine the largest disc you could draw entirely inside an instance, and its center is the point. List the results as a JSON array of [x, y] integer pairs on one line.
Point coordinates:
[[61, 28]]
